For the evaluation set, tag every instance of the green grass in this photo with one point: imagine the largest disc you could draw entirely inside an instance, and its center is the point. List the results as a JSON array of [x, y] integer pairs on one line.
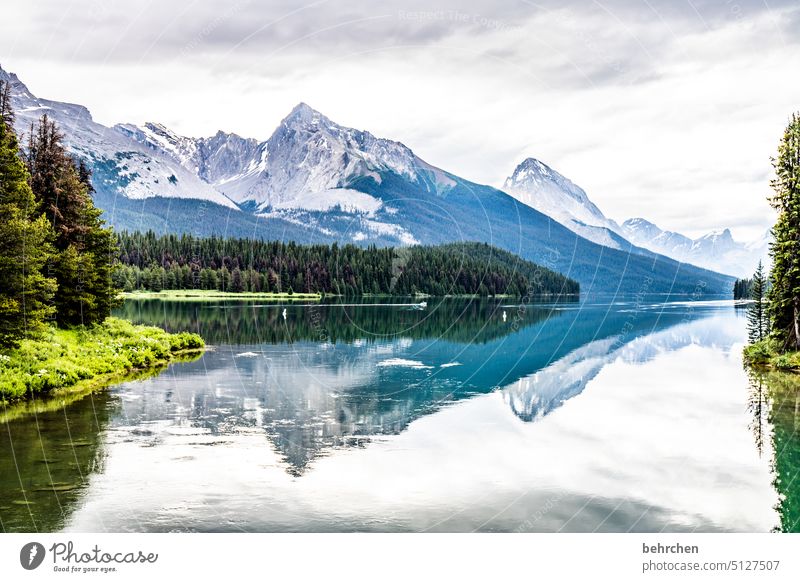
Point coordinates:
[[202, 295], [765, 354], [84, 357]]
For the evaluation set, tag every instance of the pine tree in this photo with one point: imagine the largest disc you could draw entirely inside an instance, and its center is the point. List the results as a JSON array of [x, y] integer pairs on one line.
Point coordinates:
[[86, 250], [102, 250], [237, 283], [757, 319], [25, 292], [6, 111], [741, 288], [784, 293]]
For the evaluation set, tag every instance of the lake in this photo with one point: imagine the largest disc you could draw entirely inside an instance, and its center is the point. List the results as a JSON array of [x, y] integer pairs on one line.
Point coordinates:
[[464, 415]]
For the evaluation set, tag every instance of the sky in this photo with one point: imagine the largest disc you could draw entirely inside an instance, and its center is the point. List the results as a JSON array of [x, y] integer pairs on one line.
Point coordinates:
[[666, 109]]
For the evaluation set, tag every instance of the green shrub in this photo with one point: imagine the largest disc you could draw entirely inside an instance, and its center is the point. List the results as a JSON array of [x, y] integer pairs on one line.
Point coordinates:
[[768, 353], [141, 357], [787, 361], [758, 353], [185, 341], [63, 357]]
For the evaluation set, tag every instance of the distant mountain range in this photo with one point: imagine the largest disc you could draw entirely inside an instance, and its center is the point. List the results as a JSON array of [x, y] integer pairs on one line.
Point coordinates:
[[316, 181], [540, 186], [716, 250]]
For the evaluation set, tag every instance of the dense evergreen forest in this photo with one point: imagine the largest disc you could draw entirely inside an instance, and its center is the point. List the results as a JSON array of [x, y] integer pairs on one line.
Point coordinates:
[[741, 288], [155, 263]]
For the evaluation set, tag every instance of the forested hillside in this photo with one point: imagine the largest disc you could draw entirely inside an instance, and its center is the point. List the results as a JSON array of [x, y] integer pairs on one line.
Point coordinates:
[[155, 263]]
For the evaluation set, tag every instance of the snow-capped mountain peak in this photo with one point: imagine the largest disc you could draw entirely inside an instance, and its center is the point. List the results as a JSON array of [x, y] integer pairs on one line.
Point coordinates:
[[722, 235], [539, 180], [308, 164], [304, 115], [761, 242], [715, 244], [30, 107], [532, 171], [18, 88], [536, 184], [308, 156], [641, 225]]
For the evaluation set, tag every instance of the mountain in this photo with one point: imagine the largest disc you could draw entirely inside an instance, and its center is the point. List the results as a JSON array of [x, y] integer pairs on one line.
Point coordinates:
[[541, 187], [316, 181], [310, 162], [306, 166], [120, 165], [215, 160], [716, 250], [144, 178]]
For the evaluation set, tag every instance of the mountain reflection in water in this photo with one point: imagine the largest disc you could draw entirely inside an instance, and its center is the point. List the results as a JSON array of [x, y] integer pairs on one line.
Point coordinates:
[[285, 414]]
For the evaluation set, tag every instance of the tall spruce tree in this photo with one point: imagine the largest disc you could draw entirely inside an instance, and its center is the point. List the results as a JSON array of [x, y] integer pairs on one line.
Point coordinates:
[[25, 292], [741, 288], [784, 293], [102, 248], [86, 249], [757, 318]]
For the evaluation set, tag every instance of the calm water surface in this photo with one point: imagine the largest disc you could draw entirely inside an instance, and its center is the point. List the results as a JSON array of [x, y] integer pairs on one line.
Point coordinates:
[[464, 416]]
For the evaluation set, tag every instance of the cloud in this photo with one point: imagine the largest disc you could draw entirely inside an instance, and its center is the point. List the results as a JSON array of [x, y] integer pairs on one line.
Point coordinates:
[[657, 108]]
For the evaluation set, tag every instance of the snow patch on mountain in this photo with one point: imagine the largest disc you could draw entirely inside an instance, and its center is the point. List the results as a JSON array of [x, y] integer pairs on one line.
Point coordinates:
[[158, 138], [389, 229], [342, 199]]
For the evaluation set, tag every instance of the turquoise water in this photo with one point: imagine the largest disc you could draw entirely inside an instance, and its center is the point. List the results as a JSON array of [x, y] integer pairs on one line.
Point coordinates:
[[460, 416]]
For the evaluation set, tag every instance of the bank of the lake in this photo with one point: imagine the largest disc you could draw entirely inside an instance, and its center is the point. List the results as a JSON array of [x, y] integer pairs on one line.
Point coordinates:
[[64, 361], [766, 355], [205, 294]]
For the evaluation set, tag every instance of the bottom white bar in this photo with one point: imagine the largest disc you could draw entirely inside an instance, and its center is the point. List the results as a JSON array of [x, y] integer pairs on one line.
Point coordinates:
[[349, 557]]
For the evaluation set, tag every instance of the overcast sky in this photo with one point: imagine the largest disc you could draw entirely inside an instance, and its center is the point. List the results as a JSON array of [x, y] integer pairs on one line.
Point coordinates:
[[664, 109]]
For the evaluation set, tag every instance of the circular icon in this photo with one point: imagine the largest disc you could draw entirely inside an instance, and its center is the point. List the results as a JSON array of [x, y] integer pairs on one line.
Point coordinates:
[[31, 555]]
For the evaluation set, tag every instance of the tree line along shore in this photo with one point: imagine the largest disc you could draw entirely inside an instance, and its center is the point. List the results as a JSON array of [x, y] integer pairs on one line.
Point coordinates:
[[148, 262]]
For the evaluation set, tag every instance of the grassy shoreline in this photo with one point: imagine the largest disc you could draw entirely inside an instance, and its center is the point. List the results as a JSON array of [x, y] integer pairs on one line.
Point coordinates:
[[202, 294], [69, 362], [765, 355]]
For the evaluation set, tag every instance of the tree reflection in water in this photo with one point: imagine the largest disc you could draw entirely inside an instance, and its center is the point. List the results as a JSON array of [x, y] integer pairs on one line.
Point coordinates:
[[775, 408]]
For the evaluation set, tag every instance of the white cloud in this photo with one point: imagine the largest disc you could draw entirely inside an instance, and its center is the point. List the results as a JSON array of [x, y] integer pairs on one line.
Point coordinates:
[[656, 111]]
